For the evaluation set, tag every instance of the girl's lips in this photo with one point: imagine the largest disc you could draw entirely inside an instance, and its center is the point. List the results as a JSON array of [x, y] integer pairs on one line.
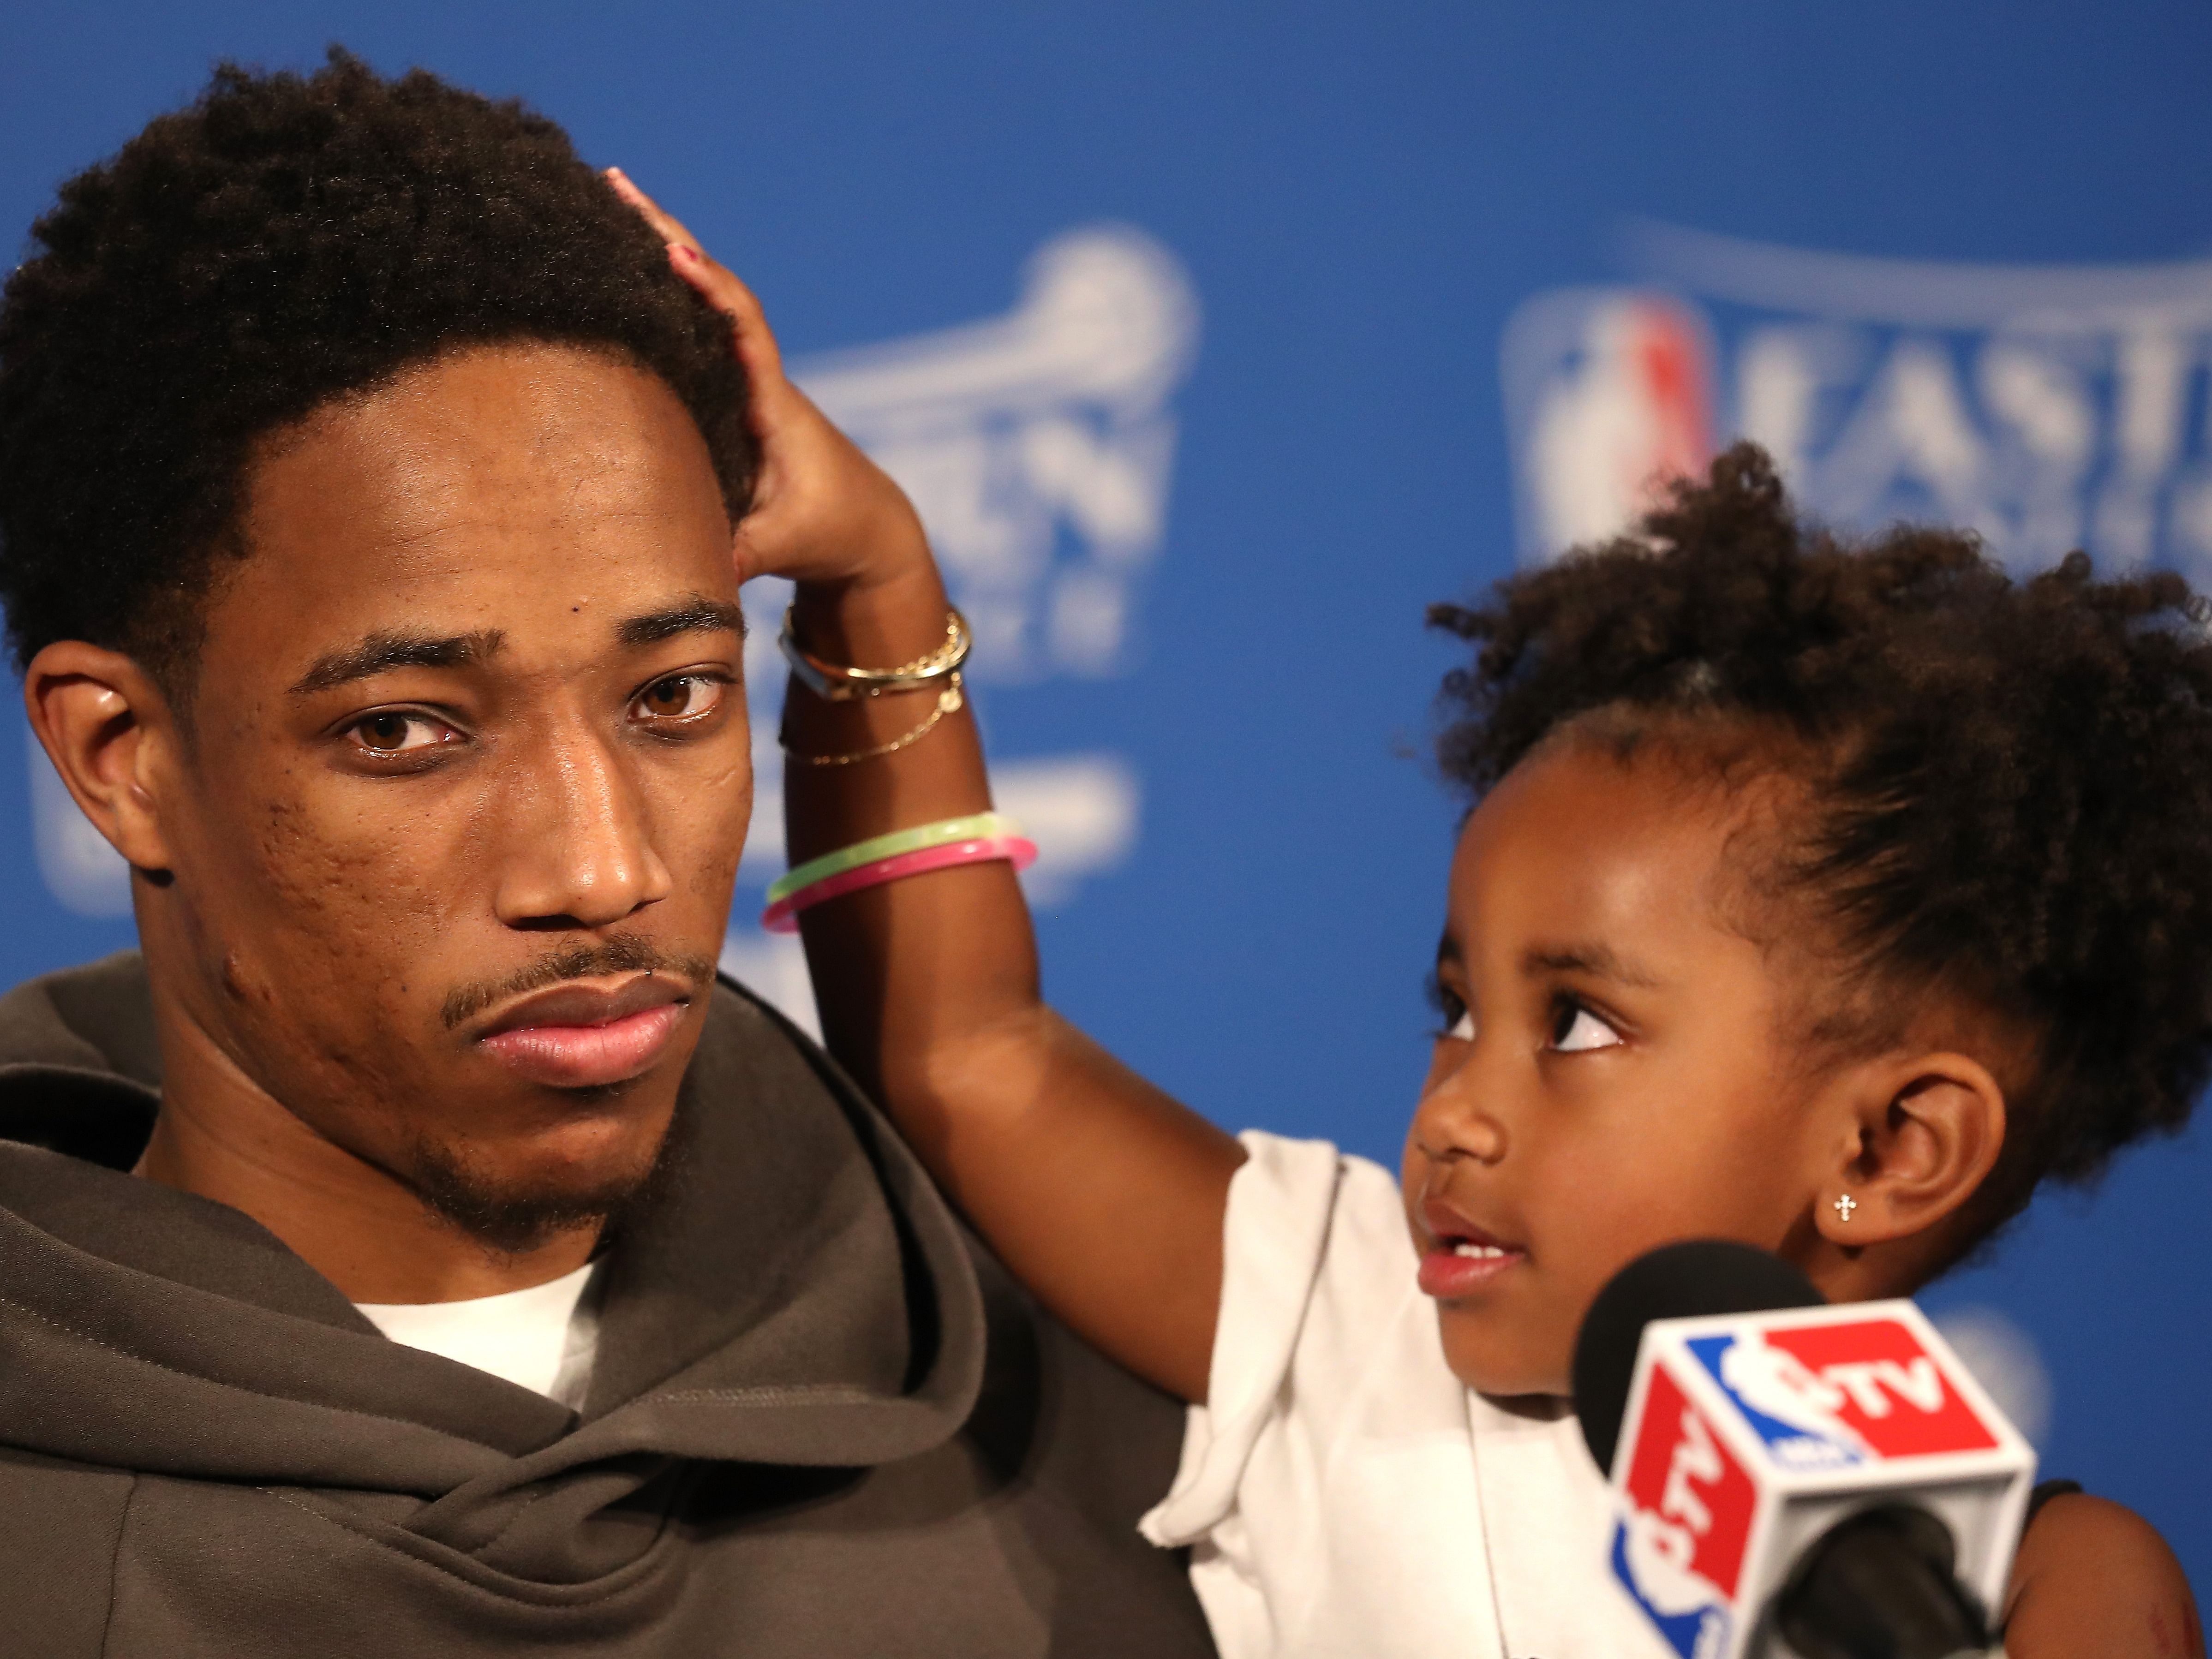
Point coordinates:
[[587, 1056], [1448, 1272], [1461, 1258]]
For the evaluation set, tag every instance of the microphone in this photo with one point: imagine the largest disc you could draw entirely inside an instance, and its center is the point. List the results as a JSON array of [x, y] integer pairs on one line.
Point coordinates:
[[1790, 1478]]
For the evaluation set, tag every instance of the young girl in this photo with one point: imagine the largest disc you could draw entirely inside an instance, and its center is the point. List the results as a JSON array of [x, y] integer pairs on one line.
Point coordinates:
[[1826, 899]]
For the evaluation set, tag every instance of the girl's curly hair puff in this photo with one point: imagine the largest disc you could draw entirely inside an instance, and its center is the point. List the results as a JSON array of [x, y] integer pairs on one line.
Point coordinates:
[[2008, 782]]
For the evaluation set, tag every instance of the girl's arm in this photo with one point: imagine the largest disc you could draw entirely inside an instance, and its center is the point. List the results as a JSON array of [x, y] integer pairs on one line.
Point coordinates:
[[2093, 1577], [1104, 1196]]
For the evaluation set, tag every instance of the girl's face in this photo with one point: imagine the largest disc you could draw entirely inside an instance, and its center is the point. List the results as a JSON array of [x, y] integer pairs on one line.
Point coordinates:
[[1617, 1074]]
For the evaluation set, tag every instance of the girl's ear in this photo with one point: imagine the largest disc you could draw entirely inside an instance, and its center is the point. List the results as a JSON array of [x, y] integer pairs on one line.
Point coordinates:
[[1922, 1133], [105, 725]]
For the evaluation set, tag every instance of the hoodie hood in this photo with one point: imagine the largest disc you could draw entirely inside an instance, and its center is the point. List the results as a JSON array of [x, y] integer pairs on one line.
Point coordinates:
[[794, 1294]]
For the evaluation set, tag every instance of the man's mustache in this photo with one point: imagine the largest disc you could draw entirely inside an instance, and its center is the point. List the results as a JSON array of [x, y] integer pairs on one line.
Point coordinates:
[[618, 953]]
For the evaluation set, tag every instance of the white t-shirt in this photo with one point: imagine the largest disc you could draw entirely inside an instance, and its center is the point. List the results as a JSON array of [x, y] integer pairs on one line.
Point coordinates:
[[542, 1339], [1342, 1492]]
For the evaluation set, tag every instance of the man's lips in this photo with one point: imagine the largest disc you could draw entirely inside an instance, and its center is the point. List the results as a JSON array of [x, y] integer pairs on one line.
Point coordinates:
[[1460, 1258], [579, 1036]]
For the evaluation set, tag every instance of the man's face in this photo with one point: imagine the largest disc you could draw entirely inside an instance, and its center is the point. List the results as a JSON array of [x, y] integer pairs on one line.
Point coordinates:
[[469, 781]]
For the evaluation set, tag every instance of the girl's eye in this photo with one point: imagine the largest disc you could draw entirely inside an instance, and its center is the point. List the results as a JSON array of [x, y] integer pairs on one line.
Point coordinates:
[[1459, 1019], [1577, 1031], [680, 696], [394, 732]]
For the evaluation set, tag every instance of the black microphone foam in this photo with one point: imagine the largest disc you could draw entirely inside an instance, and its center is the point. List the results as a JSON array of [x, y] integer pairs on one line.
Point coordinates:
[[1880, 1581], [1676, 1281]]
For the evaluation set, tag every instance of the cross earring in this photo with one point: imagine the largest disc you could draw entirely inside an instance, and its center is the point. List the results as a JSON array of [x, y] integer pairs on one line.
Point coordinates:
[[1845, 1205]]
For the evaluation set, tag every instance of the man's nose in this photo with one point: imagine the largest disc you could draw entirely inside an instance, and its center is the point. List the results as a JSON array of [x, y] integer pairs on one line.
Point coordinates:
[[579, 848]]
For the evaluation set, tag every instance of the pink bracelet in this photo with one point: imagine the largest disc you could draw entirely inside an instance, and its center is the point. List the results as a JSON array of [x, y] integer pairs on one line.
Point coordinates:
[[782, 917]]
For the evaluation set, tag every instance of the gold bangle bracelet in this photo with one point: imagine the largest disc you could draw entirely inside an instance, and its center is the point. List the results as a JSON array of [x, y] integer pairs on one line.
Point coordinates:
[[949, 701], [834, 683]]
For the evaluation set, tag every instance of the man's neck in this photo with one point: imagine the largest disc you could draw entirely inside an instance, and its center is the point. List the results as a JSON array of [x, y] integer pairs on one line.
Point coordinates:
[[221, 1136]]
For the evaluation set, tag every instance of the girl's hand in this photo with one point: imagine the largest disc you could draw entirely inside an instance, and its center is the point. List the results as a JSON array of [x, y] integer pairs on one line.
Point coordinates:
[[822, 513]]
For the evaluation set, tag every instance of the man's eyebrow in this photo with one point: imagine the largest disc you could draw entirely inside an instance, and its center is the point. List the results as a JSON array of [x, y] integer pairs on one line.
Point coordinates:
[[697, 614], [377, 654], [1599, 961]]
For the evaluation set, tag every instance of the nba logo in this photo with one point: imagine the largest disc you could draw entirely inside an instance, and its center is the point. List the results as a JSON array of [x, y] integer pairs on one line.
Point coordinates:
[[1608, 399]]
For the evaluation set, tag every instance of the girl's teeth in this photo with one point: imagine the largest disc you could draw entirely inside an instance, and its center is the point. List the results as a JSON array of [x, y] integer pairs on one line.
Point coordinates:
[[1467, 1246]]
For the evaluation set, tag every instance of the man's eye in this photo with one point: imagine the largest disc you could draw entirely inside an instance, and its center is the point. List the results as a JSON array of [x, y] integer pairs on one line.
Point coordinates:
[[395, 733], [1575, 1029], [680, 696]]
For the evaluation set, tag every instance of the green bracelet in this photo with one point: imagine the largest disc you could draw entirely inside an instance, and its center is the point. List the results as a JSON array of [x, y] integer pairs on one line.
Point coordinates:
[[971, 828]]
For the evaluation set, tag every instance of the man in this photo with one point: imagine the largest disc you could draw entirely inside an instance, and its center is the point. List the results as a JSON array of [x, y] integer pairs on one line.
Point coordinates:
[[418, 1252]]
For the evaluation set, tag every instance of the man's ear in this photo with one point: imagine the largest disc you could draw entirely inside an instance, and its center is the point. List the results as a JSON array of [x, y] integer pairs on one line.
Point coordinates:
[[107, 728], [1922, 1133]]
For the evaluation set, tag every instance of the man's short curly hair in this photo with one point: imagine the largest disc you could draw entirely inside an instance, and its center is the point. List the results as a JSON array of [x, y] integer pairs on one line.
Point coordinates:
[[2006, 785], [285, 241]]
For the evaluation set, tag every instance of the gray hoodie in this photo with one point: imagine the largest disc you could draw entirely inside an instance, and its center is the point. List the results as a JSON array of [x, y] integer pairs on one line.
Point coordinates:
[[822, 1420]]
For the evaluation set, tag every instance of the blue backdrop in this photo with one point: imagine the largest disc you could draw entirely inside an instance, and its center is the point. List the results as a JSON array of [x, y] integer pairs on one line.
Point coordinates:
[[1216, 341]]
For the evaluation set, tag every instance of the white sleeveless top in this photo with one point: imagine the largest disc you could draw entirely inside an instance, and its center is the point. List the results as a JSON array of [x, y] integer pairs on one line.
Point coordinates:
[[1342, 1492]]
